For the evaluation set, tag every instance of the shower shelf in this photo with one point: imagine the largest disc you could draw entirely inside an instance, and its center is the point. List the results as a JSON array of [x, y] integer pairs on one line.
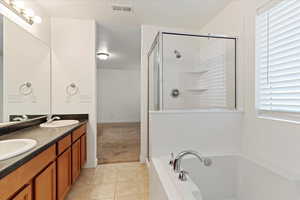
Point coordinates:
[[197, 89], [197, 72]]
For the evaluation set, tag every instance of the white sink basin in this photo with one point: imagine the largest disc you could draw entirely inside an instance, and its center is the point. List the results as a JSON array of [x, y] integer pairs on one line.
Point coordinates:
[[11, 148], [59, 123]]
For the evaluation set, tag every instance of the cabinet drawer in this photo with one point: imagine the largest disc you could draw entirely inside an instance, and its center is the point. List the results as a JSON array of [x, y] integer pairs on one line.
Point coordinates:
[[63, 144], [21, 176], [78, 132]]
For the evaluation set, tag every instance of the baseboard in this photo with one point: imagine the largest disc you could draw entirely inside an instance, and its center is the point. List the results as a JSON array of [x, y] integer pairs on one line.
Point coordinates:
[[143, 159], [91, 164]]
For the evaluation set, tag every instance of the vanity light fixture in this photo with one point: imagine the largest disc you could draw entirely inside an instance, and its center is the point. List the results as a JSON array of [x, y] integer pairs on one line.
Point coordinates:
[[102, 56], [18, 7]]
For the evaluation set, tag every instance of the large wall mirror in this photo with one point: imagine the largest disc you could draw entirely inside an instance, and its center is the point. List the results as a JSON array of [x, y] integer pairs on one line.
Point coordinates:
[[25, 73]]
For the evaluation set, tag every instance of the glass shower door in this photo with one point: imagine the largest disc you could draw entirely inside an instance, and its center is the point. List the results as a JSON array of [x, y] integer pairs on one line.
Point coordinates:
[[198, 72], [154, 77]]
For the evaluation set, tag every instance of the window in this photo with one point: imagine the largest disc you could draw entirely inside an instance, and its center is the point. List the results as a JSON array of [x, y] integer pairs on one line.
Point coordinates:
[[278, 57]]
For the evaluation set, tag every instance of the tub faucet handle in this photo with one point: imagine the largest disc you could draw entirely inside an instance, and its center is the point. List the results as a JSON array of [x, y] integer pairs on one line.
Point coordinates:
[[171, 162], [183, 175]]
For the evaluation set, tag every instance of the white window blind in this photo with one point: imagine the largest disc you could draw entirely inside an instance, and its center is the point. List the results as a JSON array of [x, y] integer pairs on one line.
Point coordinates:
[[278, 57]]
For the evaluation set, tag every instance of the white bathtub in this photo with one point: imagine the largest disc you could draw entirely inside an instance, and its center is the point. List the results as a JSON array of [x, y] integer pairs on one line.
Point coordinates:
[[231, 177]]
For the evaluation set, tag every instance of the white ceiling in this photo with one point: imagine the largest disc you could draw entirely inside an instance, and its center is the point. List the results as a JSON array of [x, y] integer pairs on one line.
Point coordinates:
[[120, 32]]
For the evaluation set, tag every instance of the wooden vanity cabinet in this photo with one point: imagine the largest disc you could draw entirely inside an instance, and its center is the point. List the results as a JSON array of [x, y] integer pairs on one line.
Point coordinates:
[[50, 174], [24, 194], [83, 156], [25, 174], [64, 176], [45, 184], [76, 156], [64, 167]]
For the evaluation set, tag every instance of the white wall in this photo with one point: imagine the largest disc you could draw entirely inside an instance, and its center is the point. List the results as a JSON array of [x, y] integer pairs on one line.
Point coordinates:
[[274, 144], [74, 61], [172, 131], [119, 95]]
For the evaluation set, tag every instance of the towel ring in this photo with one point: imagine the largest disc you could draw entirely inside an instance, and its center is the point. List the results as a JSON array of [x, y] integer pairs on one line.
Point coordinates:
[[26, 88], [72, 89]]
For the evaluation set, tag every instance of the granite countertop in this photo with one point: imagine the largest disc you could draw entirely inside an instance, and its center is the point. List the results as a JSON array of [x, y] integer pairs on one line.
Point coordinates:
[[45, 137]]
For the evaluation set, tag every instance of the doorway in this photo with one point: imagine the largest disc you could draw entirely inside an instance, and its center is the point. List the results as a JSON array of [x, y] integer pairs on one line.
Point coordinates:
[[118, 115]]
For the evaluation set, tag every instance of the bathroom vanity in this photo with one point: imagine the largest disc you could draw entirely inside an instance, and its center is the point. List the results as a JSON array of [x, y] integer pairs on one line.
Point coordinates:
[[48, 171]]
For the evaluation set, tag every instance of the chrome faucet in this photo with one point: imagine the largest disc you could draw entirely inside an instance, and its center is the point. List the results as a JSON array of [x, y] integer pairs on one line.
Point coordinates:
[[180, 156], [21, 118], [176, 163], [50, 118]]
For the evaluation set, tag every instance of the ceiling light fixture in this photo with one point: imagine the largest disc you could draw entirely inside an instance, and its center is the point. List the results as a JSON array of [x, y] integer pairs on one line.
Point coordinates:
[[18, 7], [102, 56]]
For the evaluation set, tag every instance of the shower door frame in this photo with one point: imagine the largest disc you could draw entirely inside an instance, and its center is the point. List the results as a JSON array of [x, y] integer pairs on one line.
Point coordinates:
[[157, 41]]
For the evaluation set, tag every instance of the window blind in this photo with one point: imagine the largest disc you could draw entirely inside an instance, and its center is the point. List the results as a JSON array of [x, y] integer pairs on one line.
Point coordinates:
[[278, 57]]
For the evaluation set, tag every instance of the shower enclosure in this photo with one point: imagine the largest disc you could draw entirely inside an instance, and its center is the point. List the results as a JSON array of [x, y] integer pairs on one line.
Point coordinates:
[[192, 72]]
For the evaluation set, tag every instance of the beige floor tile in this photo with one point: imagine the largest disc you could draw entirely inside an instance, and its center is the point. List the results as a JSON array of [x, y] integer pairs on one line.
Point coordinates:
[[131, 197], [108, 168], [105, 174], [79, 191], [101, 199], [103, 191], [146, 196], [112, 182], [127, 175], [85, 180], [134, 167], [102, 179], [129, 188]]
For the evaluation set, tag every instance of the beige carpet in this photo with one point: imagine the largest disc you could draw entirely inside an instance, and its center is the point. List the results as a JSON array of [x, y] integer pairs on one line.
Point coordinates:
[[118, 142]]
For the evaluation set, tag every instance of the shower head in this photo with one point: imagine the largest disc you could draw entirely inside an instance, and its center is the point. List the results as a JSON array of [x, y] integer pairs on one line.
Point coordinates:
[[177, 54]]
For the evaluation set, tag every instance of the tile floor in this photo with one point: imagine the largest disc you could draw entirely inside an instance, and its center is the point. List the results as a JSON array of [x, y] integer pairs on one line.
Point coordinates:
[[118, 142], [124, 181]]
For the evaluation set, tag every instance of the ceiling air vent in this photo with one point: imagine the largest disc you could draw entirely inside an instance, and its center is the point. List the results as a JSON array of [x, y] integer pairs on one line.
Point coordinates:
[[120, 8]]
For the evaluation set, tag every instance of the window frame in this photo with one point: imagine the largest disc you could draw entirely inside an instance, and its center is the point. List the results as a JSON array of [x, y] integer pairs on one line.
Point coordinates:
[[286, 116]]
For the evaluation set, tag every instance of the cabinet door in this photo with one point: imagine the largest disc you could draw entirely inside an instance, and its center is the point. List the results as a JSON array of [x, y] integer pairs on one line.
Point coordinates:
[[25, 194], [45, 184], [64, 176], [76, 165], [83, 150]]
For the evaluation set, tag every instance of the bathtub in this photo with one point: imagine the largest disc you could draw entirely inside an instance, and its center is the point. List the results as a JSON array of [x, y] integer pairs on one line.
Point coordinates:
[[230, 177]]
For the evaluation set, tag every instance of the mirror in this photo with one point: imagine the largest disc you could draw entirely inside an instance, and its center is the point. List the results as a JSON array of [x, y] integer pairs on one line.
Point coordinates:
[[25, 73]]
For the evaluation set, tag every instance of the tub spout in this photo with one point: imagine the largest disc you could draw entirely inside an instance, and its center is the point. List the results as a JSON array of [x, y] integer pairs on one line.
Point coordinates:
[[180, 156]]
